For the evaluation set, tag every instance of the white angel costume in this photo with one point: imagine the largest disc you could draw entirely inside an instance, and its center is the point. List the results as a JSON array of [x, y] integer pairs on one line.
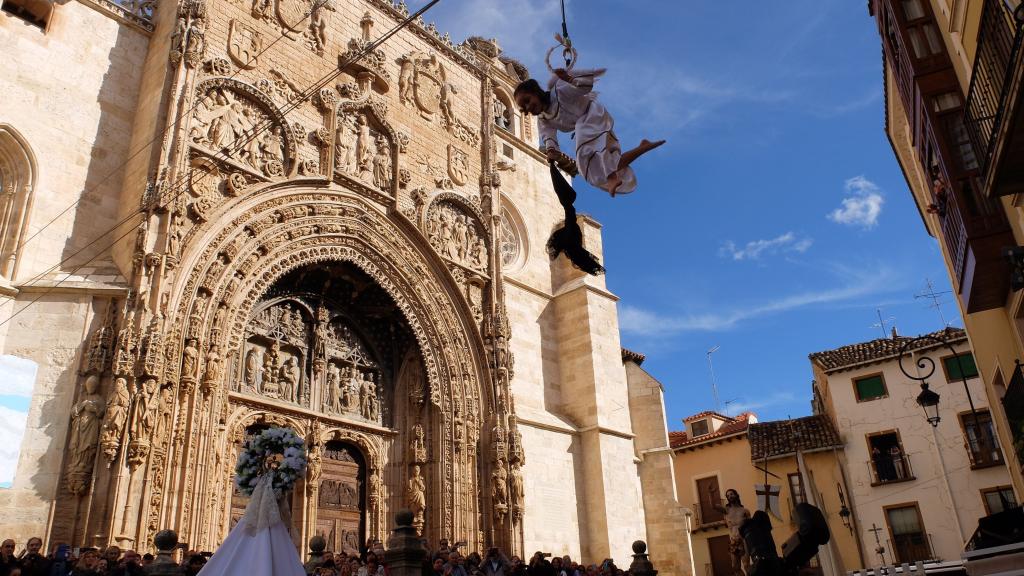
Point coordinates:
[[260, 544], [574, 107]]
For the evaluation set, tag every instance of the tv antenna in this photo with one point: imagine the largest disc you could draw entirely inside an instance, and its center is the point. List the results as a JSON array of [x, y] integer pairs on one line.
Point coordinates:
[[882, 323], [727, 403], [714, 382], [936, 298]]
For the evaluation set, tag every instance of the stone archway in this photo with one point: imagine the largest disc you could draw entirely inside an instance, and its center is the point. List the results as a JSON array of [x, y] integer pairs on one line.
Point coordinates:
[[224, 276]]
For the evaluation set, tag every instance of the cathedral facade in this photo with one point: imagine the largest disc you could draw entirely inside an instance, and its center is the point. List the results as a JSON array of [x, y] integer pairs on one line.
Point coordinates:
[[226, 215]]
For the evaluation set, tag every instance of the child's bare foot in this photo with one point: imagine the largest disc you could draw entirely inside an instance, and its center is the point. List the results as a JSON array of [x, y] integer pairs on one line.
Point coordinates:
[[614, 181], [647, 145]]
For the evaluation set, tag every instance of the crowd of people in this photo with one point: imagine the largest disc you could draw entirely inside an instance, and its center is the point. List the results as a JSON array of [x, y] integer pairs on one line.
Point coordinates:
[[63, 561], [444, 561], [448, 560]]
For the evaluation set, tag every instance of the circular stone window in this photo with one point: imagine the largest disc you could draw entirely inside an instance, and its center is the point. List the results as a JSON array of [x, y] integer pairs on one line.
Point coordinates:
[[510, 243]]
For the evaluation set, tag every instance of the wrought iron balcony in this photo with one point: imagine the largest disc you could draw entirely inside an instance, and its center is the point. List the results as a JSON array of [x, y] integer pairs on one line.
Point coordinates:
[[992, 114], [888, 469]]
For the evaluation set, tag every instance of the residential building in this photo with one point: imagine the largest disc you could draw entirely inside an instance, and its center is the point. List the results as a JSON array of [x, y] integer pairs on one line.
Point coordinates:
[[716, 453], [920, 488], [953, 76]]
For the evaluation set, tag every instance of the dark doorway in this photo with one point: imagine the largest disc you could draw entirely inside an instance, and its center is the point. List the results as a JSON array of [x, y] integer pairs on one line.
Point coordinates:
[[721, 559]]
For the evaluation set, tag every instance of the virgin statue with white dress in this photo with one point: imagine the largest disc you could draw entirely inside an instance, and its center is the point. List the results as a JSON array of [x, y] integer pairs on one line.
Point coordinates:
[[261, 543]]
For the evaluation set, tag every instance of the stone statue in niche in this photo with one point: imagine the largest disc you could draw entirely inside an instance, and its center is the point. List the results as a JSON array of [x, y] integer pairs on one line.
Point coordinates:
[[501, 112], [375, 491], [190, 361], [366, 393], [455, 235], [332, 402], [84, 434], [516, 490], [270, 366], [166, 410], [353, 390], [289, 378], [417, 495], [114, 421], [252, 368], [225, 121], [313, 469], [214, 369], [345, 142], [382, 164], [144, 420], [499, 486]]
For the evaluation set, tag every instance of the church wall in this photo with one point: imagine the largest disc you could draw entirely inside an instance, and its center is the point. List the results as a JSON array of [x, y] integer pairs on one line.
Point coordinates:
[[555, 508], [666, 526], [59, 320], [71, 92]]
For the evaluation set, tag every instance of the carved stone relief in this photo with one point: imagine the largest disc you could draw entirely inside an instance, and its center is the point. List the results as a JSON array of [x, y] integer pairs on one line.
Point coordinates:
[[244, 44], [86, 416], [227, 124], [363, 151], [188, 40], [457, 235], [458, 165]]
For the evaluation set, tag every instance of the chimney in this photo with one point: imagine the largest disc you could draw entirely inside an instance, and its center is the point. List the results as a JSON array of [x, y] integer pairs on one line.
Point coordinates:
[[895, 334]]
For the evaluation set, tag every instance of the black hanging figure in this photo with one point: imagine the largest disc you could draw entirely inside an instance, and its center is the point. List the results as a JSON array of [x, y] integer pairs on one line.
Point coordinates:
[[568, 239]]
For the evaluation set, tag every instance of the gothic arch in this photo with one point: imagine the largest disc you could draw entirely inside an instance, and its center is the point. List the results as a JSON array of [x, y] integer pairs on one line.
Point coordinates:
[[17, 186], [225, 271]]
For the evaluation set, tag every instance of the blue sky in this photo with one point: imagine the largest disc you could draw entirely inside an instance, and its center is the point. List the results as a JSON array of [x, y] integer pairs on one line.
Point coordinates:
[[775, 221]]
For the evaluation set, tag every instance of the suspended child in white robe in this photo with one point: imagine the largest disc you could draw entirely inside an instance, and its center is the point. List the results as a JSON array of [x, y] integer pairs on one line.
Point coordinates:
[[571, 105]]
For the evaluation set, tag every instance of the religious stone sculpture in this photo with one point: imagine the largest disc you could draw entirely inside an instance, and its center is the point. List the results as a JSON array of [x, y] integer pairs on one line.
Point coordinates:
[[454, 233], [332, 403], [252, 368], [227, 121], [289, 378], [214, 370], [499, 487], [382, 164], [144, 419], [84, 435], [417, 495], [319, 23], [114, 421], [270, 387]]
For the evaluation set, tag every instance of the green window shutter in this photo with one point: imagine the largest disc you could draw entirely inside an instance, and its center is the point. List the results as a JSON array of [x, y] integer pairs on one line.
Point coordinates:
[[970, 369], [870, 388]]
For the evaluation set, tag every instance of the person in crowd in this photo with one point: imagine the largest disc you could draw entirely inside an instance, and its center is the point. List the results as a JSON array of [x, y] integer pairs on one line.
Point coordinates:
[[33, 563], [518, 567], [87, 563], [496, 563], [195, 564], [437, 566], [147, 559], [8, 561], [455, 565]]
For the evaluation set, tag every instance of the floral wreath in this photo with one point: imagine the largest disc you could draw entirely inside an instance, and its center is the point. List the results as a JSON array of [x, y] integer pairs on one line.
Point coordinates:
[[276, 451]]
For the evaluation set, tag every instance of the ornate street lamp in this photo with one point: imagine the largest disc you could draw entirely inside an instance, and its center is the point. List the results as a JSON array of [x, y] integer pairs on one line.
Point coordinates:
[[928, 400]]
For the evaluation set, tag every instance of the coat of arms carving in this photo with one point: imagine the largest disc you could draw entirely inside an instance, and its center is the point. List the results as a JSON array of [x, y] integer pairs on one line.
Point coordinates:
[[421, 82], [244, 45], [458, 165], [293, 13]]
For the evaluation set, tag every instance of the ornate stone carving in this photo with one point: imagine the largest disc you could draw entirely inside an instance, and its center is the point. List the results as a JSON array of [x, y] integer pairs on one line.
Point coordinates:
[[236, 124], [214, 370], [99, 348], [84, 432], [363, 151], [245, 44], [421, 81], [457, 234], [320, 24], [499, 488], [509, 242], [437, 173], [416, 493], [188, 41], [418, 447], [458, 165], [114, 421]]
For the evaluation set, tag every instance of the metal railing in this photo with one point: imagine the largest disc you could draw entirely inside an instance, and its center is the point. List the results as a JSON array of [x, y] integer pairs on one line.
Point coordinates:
[[999, 38], [889, 469]]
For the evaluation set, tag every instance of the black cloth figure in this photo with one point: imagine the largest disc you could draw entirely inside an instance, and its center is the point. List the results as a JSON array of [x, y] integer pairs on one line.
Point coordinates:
[[568, 239]]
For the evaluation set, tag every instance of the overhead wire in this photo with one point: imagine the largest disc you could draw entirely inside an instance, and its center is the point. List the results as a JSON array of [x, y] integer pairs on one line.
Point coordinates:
[[181, 183]]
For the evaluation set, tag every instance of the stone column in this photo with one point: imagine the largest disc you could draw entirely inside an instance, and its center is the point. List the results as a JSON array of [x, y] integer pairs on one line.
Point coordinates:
[[405, 553]]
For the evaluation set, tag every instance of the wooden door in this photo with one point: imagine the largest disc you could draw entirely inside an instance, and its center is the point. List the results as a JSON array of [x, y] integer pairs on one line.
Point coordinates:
[[341, 507], [721, 560]]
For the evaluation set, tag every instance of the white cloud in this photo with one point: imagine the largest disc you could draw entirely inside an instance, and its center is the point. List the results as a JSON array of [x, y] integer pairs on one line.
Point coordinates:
[[12, 429], [17, 376], [645, 323], [788, 242], [522, 27], [862, 206], [774, 399]]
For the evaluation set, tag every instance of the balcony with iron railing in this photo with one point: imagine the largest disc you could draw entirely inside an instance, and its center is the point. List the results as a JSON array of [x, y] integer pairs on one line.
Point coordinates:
[[992, 114], [890, 469]]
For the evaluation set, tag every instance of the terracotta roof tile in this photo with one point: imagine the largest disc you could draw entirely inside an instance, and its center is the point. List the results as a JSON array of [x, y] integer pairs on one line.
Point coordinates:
[[877, 350], [781, 437], [630, 356]]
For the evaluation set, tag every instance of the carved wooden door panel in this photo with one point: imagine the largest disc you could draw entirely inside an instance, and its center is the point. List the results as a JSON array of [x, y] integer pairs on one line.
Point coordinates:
[[341, 508]]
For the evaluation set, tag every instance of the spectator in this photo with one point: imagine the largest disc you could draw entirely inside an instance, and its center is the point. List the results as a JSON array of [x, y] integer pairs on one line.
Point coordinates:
[[496, 564], [455, 565], [87, 562], [32, 562], [437, 567], [195, 564], [7, 559], [518, 567], [147, 559]]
